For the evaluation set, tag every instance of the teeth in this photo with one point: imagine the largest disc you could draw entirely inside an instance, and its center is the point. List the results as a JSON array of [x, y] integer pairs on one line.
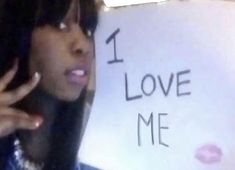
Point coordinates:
[[79, 72]]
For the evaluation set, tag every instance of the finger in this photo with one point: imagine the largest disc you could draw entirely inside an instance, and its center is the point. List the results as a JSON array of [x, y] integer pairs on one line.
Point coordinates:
[[18, 120], [12, 111], [28, 123], [9, 98], [4, 81], [18, 113]]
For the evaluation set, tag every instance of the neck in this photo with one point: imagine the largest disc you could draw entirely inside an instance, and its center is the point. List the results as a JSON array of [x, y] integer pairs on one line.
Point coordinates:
[[62, 127], [36, 143]]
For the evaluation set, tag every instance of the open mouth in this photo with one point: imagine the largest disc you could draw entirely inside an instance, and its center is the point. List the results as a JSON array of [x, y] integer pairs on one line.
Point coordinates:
[[79, 72], [77, 76]]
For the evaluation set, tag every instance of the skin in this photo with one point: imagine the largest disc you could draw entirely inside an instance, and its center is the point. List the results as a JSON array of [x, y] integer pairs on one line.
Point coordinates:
[[12, 119], [53, 52]]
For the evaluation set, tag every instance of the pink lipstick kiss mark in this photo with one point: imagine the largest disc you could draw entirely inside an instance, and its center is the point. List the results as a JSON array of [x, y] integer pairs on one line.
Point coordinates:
[[209, 154]]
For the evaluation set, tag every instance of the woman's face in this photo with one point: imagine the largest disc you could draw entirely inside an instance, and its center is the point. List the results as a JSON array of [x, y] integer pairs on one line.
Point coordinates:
[[63, 56]]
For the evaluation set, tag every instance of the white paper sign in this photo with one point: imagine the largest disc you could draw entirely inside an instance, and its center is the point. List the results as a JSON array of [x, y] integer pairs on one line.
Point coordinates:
[[116, 3], [165, 95]]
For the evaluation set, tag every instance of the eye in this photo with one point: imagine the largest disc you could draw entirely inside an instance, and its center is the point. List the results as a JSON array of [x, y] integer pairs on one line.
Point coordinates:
[[89, 33], [63, 26]]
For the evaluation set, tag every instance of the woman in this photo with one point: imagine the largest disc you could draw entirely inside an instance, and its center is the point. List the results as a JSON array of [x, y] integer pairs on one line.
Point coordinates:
[[42, 95]]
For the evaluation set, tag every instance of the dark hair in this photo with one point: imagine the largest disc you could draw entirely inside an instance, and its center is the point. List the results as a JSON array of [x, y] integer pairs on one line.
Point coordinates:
[[18, 18]]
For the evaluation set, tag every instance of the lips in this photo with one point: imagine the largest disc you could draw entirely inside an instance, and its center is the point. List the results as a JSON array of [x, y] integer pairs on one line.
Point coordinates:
[[209, 154], [77, 76]]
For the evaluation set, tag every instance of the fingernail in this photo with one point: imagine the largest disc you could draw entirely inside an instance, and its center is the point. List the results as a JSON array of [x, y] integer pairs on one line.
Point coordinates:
[[37, 121], [37, 124], [36, 76]]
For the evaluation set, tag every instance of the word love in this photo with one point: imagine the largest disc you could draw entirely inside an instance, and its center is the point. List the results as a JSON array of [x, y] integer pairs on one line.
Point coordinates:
[[150, 83]]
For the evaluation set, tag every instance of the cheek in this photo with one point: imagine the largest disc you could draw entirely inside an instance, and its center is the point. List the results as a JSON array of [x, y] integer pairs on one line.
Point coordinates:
[[91, 56], [39, 60], [46, 57]]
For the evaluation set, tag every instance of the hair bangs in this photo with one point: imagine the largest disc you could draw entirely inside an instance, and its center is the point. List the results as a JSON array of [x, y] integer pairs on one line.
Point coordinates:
[[51, 12], [89, 16], [33, 13]]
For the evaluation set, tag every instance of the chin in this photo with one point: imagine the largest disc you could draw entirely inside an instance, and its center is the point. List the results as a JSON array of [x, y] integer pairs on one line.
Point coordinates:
[[68, 97], [64, 94]]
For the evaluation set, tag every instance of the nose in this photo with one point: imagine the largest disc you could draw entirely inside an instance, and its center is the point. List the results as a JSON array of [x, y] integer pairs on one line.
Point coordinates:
[[80, 44]]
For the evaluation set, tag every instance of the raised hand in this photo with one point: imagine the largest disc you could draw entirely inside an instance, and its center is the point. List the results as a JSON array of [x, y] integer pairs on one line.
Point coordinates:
[[12, 119]]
